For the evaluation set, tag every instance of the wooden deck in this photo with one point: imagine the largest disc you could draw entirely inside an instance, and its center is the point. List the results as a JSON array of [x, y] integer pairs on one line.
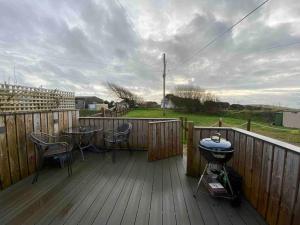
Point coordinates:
[[131, 191]]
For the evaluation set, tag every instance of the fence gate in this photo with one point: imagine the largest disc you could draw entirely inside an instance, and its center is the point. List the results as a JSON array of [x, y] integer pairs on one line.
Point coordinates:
[[164, 139]]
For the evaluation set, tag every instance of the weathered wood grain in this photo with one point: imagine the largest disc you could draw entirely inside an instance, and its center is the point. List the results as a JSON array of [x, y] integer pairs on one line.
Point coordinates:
[[12, 148], [21, 141], [17, 153], [4, 160]]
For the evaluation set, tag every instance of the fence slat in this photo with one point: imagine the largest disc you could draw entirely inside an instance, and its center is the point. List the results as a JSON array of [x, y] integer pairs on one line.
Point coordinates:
[[248, 166], [21, 141], [29, 145], [4, 160], [257, 158], [12, 148], [265, 178], [275, 187], [290, 189]]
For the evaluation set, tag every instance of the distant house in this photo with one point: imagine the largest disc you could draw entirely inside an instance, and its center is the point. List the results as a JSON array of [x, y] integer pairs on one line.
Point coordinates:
[[87, 102], [150, 104], [121, 105], [291, 119], [168, 103]]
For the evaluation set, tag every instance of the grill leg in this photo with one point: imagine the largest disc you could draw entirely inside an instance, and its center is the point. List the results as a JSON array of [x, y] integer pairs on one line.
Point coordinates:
[[199, 182], [227, 178], [82, 155]]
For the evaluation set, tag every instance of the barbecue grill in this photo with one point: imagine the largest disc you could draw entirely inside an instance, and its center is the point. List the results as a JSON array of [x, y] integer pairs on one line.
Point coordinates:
[[217, 151]]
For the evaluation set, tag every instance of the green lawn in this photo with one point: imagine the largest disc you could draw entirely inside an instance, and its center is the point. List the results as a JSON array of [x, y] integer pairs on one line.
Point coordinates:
[[287, 135]]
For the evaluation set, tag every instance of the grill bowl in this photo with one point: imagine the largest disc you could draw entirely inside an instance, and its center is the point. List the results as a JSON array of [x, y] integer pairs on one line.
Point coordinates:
[[216, 150]]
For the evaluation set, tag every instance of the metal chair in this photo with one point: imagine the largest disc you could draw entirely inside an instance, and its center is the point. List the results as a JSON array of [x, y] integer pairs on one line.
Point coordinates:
[[52, 146], [118, 136]]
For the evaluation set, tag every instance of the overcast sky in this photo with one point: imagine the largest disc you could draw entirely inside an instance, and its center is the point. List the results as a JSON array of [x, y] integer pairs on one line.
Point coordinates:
[[80, 45]]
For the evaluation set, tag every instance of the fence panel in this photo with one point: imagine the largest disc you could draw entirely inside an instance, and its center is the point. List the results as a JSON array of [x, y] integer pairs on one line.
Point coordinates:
[[17, 153], [164, 139], [138, 139], [270, 171], [16, 98]]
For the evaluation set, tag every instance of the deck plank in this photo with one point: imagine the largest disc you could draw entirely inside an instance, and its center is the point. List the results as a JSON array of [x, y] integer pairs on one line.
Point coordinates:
[[130, 191], [132, 207], [195, 214], [40, 206], [95, 194], [142, 216], [30, 199], [99, 203], [123, 185], [156, 200], [169, 215], [122, 201], [65, 211], [182, 216]]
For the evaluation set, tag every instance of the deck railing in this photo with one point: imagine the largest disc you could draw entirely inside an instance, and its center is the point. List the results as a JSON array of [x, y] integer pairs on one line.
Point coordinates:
[[270, 170], [17, 153], [138, 139]]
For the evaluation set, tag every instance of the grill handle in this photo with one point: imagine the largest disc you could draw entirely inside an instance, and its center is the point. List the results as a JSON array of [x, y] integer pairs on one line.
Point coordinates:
[[218, 135]]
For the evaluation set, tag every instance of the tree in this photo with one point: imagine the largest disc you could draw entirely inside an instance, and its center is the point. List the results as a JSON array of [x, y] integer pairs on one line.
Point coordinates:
[[195, 93], [125, 94]]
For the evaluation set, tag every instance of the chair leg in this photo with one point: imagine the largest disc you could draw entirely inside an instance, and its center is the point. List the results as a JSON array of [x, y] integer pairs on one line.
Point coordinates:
[[69, 160], [39, 167], [199, 182], [82, 155], [128, 147], [61, 162], [113, 155]]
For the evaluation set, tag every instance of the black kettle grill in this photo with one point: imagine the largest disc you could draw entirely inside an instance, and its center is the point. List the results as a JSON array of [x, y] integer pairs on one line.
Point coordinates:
[[217, 151]]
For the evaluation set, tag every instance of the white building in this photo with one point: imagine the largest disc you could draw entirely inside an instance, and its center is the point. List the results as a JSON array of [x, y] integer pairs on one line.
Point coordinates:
[[291, 119], [168, 103]]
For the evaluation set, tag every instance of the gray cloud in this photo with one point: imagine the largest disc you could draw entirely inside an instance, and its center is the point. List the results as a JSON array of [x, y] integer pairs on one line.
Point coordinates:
[[80, 45]]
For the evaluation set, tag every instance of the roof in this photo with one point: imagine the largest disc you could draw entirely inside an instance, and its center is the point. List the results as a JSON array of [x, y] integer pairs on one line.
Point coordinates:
[[89, 99]]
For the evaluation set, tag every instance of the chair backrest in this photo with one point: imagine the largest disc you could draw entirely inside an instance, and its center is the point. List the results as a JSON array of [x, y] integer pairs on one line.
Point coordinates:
[[125, 128], [40, 140]]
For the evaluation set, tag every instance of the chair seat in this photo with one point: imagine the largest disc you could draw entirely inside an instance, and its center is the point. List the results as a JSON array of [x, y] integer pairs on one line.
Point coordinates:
[[55, 150]]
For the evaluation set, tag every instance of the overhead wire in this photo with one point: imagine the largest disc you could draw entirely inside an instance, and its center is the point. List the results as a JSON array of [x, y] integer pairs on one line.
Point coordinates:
[[223, 33]]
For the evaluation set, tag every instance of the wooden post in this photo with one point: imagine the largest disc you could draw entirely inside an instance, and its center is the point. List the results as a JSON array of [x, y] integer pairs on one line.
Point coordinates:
[[185, 127], [164, 84], [190, 156], [249, 125], [103, 112], [220, 122], [182, 125]]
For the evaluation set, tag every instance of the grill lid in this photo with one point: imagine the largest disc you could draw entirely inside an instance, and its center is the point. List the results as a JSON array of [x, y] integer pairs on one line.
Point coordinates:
[[215, 143]]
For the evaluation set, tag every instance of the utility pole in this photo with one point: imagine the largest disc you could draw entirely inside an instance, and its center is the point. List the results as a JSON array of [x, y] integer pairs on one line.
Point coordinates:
[[164, 84]]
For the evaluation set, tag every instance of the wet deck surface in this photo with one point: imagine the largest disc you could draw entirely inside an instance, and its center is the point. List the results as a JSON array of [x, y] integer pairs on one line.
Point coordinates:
[[131, 191]]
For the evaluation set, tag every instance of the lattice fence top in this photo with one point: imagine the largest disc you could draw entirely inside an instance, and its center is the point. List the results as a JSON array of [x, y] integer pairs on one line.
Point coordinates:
[[15, 98]]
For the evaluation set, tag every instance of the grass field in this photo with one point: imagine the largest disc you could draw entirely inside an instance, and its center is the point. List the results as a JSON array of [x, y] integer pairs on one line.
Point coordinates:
[[288, 135]]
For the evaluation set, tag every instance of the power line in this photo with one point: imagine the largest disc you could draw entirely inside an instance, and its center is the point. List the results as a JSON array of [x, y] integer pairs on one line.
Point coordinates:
[[223, 33], [271, 48]]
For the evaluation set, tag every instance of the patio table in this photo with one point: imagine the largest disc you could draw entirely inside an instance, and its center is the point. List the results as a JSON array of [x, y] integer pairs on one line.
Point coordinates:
[[83, 137]]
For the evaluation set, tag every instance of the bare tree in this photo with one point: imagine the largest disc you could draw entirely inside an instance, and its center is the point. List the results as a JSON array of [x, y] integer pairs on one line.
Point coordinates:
[[125, 94], [194, 92]]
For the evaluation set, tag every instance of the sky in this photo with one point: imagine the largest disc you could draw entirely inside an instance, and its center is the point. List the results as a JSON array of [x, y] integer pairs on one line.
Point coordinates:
[[81, 45]]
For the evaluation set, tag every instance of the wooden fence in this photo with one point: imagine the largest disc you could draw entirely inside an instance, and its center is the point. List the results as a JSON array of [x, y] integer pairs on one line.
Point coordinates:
[[164, 139], [16, 98], [110, 113], [139, 135], [17, 154], [270, 170]]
